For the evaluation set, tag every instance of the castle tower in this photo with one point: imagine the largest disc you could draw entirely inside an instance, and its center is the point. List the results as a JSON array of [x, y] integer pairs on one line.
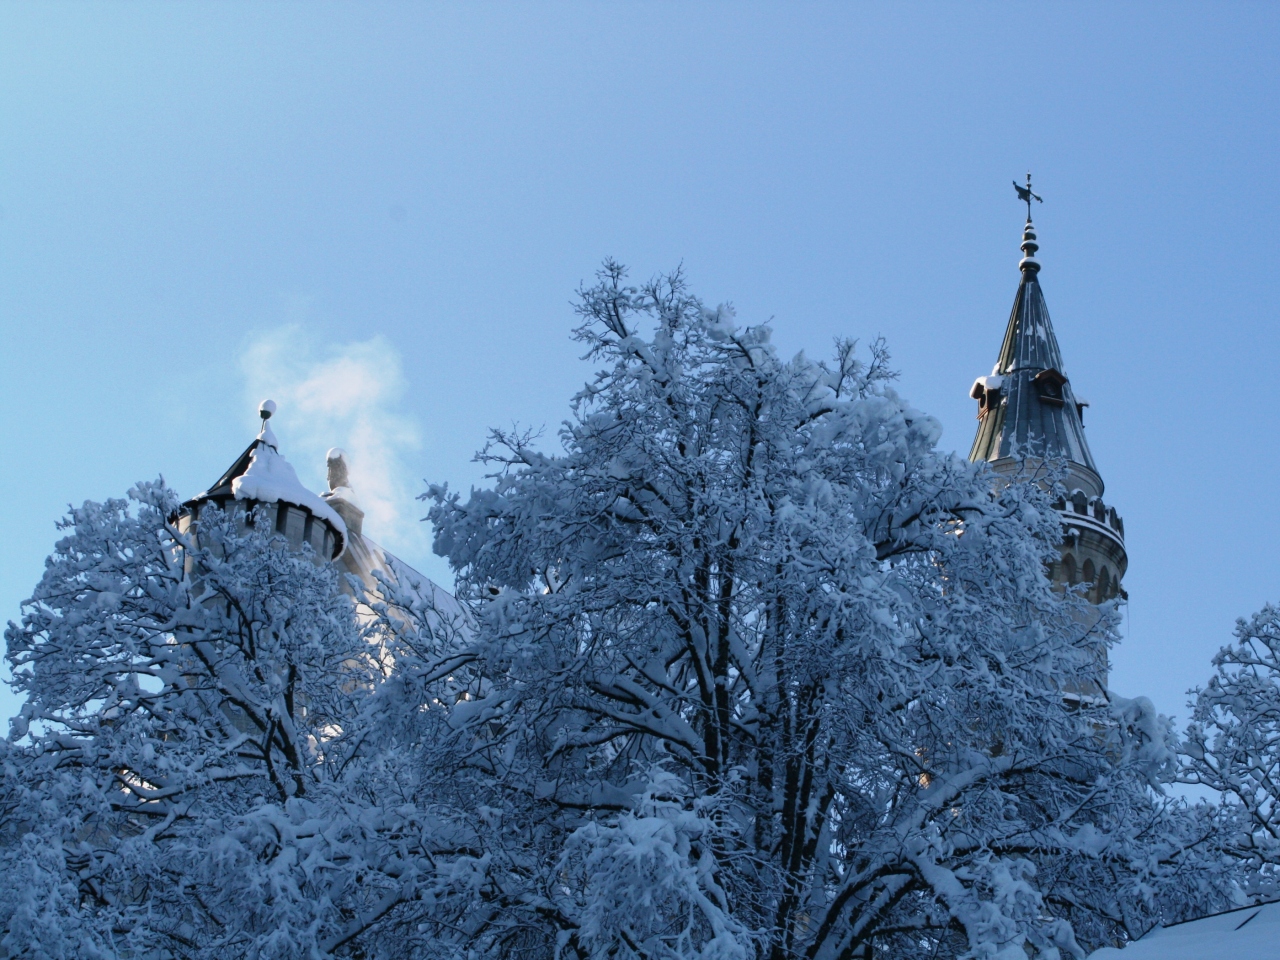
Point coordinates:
[[262, 487], [1028, 414]]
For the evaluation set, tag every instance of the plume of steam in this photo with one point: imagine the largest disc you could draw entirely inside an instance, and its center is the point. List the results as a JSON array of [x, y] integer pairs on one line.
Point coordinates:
[[346, 395]]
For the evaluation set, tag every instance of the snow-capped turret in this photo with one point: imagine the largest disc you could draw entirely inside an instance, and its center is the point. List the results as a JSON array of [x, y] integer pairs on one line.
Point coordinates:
[[262, 487], [368, 562], [1028, 413], [340, 496], [262, 478]]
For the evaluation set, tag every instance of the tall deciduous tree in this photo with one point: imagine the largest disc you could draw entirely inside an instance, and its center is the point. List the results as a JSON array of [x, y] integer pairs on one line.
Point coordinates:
[[762, 673], [1232, 746]]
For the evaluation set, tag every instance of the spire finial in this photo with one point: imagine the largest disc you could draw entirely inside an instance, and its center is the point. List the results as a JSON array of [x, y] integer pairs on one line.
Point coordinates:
[[265, 409], [1028, 263], [1025, 195]]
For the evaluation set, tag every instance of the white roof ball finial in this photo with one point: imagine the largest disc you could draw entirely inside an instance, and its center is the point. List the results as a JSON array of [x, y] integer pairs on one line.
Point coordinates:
[[265, 409]]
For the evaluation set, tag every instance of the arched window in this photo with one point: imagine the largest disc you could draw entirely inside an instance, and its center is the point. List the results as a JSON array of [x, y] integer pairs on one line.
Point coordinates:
[[1069, 569], [1104, 585], [1087, 574]]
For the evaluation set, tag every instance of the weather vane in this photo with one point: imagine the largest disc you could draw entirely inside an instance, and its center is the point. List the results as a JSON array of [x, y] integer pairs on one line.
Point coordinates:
[[1026, 196]]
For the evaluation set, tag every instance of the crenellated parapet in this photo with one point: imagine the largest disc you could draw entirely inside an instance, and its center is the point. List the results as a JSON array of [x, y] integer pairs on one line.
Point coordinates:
[[1093, 549], [296, 524]]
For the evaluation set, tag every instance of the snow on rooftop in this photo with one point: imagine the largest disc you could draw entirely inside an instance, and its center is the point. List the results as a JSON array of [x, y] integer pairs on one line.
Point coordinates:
[[1250, 933], [271, 479], [268, 437], [982, 384]]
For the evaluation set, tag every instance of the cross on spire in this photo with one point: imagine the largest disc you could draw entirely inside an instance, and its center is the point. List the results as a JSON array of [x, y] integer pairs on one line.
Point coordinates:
[[1025, 195]]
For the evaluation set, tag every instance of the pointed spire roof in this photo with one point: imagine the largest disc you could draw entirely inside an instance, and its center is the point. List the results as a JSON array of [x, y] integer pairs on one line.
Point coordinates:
[[1029, 409]]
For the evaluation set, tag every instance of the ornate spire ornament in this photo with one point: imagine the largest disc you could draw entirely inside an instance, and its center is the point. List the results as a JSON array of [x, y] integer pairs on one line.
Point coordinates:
[[1029, 263], [1025, 195]]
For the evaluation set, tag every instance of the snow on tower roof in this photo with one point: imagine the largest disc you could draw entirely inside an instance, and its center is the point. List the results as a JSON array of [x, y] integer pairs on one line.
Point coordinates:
[[261, 474], [1038, 415], [270, 478]]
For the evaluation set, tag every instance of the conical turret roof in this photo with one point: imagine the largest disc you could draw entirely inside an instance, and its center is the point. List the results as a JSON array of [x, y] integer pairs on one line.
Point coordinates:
[[1030, 410], [262, 475]]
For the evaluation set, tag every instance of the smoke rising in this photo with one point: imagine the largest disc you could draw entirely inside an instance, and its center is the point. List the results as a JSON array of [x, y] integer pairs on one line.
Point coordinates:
[[346, 395]]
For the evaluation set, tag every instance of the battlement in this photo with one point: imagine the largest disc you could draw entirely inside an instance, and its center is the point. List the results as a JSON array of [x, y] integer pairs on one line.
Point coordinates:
[[1083, 511], [1093, 550], [296, 524]]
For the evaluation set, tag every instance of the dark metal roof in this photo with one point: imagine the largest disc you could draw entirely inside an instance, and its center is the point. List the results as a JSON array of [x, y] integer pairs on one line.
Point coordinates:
[[221, 488], [1030, 418]]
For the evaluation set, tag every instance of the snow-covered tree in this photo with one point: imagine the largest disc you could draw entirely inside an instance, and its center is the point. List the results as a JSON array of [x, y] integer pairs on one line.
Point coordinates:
[[195, 771], [749, 670], [1232, 746], [759, 672]]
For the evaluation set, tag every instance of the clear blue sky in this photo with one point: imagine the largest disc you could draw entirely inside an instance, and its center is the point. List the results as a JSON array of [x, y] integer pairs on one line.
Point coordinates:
[[379, 213]]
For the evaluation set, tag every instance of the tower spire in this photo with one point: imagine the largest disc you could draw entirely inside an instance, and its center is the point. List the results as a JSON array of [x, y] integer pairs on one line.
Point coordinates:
[[1029, 414], [1027, 406]]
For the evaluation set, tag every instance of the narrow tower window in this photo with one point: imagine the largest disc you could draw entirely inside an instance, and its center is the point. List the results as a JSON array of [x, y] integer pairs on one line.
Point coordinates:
[[1049, 386]]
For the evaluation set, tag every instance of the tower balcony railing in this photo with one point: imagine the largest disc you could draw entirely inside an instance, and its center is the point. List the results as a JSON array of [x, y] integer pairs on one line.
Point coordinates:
[[1093, 550], [1090, 513]]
